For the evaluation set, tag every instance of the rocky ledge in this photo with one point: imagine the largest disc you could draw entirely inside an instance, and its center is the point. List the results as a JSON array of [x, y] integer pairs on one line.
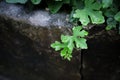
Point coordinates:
[[25, 52]]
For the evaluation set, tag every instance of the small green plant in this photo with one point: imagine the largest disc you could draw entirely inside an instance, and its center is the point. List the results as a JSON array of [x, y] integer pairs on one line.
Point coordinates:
[[68, 43]]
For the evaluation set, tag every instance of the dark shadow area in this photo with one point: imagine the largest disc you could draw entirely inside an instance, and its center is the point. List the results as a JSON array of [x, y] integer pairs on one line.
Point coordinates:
[[102, 59], [18, 58]]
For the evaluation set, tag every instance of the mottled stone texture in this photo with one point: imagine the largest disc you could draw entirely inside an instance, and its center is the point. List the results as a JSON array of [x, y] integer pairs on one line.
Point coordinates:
[[25, 52], [24, 56]]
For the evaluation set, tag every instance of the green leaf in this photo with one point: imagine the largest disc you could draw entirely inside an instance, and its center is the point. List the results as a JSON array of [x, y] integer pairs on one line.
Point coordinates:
[[54, 6], [77, 4], [65, 39], [35, 1], [17, 1], [57, 45], [82, 15], [77, 32], [109, 27], [106, 3], [92, 10], [96, 17], [92, 4], [63, 52], [70, 45], [111, 23], [81, 43], [110, 12], [83, 33], [68, 57], [117, 16], [96, 6]]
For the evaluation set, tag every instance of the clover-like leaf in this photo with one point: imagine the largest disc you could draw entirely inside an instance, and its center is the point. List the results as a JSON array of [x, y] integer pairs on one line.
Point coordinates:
[[57, 45], [81, 43], [83, 33], [92, 10], [78, 32], [82, 15], [96, 17]]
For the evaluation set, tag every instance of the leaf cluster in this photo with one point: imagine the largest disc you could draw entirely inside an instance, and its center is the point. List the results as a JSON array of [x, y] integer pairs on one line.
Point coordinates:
[[99, 12], [68, 43]]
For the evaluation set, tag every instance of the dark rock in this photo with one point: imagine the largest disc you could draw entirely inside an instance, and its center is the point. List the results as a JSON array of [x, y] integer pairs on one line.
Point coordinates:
[[25, 52], [101, 61]]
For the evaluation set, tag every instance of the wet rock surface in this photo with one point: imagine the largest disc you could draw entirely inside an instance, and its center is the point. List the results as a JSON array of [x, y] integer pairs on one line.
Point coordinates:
[[25, 52], [102, 59], [37, 18]]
